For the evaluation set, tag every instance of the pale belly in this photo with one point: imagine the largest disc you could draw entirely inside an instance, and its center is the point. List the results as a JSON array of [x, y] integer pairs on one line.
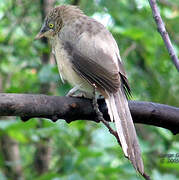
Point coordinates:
[[66, 71]]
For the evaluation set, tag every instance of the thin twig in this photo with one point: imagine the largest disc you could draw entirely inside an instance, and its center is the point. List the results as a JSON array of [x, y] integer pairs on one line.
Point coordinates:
[[111, 130], [163, 32], [129, 50], [146, 176]]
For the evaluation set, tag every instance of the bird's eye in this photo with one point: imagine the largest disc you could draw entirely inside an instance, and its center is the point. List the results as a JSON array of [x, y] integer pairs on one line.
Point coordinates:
[[51, 25]]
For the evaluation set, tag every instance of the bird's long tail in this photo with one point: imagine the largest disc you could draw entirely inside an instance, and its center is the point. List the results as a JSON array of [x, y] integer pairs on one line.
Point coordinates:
[[119, 112]]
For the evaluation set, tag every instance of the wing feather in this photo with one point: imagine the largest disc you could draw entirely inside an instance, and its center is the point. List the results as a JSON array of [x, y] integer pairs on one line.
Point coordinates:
[[95, 56], [92, 71]]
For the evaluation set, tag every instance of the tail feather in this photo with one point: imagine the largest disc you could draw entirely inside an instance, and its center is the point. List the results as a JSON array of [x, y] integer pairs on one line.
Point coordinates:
[[119, 112]]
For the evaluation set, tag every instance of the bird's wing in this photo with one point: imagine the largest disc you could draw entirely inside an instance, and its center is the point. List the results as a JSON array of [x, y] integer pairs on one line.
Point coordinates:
[[95, 57]]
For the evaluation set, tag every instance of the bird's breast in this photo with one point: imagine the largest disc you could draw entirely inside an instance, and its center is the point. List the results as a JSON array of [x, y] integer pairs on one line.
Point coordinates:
[[65, 66]]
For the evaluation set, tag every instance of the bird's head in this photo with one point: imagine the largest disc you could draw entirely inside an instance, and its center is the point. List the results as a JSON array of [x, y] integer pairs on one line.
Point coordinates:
[[51, 25], [56, 18]]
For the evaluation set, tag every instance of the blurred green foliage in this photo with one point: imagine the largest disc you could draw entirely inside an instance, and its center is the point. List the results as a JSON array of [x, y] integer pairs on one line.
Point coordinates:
[[86, 150]]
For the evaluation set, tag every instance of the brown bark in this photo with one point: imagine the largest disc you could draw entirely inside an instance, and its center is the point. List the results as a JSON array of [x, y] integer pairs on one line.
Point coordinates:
[[11, 156], [53, 107], [163, 32]]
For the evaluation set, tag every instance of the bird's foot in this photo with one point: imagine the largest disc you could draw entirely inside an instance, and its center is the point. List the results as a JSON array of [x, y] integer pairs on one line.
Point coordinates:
[[96, 106], [78, 95], [72, 92], [75, 92]]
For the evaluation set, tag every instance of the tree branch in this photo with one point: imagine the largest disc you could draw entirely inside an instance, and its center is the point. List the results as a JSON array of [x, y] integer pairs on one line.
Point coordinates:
[[54, 107], [163, 32]]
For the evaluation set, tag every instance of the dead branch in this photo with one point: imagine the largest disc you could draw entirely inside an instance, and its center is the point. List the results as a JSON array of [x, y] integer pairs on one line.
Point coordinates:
[[28, 106]]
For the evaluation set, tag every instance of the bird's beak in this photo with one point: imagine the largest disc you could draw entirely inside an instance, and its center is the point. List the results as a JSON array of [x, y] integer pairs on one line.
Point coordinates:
[[39, 35], [42, 32]]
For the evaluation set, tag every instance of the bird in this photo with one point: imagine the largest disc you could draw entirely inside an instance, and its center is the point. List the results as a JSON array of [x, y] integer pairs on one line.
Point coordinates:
[[87, 54]]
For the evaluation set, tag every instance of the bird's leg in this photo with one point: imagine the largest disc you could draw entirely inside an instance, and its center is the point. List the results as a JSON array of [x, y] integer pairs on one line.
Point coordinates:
[[72, 91], [76, 92], [95, 105]]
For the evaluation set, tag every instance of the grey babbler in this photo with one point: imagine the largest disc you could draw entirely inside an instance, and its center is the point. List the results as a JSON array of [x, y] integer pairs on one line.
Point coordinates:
[[87, 55]]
